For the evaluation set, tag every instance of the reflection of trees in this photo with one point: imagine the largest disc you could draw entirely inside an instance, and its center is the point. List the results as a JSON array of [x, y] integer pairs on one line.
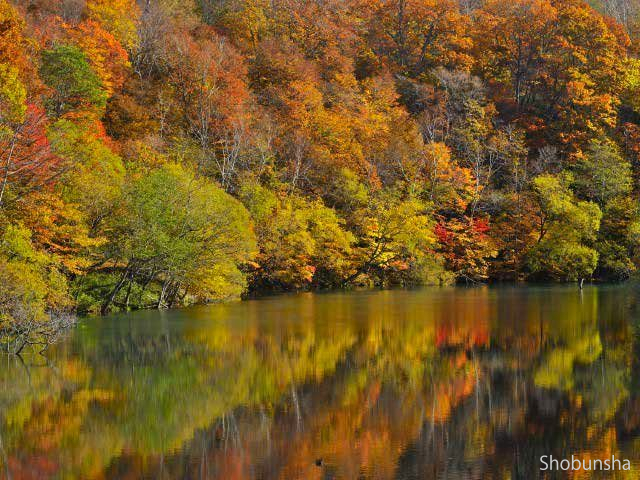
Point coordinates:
[[388, 385], [157, 390], [560, 395]]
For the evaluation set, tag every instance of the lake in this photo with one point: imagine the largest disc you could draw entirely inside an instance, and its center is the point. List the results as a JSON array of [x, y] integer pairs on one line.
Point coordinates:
[[452, 383]]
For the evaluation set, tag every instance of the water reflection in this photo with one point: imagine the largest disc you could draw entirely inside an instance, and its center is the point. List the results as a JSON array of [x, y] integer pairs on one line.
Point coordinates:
[[453, 383]]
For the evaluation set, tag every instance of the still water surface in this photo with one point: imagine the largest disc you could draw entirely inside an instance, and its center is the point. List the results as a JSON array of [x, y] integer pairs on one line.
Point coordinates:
[[460, 383]]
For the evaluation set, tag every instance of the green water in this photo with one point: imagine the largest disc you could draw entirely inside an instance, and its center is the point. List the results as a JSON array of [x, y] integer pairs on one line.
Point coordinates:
[[460, 383]]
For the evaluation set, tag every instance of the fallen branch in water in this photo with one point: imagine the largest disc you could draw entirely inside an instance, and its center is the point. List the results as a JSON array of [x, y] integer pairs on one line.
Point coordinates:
[[16, 335]]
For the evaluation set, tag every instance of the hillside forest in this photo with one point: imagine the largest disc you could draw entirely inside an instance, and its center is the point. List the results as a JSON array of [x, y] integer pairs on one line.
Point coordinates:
[[161, 152]]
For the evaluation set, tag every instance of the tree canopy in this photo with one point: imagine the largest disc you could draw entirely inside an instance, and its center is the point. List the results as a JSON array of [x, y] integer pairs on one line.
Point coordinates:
[[162, 153]]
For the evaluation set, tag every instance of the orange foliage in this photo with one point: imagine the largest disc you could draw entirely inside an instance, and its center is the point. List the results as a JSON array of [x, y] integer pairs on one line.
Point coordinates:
[[106, 55], [418, 35]]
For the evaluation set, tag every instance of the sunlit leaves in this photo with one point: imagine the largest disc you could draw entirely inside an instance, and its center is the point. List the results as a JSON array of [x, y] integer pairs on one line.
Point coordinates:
[[33, 286], [13, 99], [104, 53], [118, 17], [94, 174], [180, 230], [566, 228], [466, 247], [419, 35], [560, 77], [372, 141], [301, 243]]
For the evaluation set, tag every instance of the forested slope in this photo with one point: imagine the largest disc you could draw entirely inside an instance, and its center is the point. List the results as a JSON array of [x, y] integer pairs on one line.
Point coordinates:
[[163, 152]]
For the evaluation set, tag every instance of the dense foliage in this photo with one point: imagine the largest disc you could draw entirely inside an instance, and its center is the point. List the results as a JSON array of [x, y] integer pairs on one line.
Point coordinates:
[[158, 153]]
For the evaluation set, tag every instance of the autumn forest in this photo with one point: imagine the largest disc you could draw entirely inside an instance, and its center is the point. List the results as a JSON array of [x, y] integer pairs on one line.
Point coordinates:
[[161, 153]]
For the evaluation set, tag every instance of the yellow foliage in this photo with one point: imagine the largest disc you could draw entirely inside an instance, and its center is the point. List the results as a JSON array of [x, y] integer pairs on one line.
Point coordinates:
[[118, 17]]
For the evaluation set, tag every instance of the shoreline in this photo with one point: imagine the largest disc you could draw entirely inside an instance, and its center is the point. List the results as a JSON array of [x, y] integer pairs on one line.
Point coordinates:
[[363, 290]]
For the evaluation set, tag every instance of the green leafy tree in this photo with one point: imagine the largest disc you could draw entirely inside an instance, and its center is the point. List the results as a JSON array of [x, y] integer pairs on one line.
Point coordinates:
[[602, 173], [567, 228], [618, 243], [66, 70], [181, 234]]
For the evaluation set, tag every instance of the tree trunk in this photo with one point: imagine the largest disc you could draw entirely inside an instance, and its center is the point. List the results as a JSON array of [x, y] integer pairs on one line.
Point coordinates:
[[7, 167], [109, 300], [163, 292]]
